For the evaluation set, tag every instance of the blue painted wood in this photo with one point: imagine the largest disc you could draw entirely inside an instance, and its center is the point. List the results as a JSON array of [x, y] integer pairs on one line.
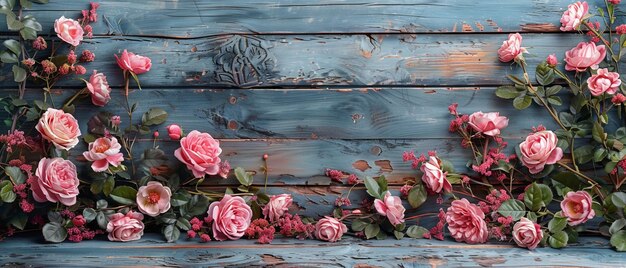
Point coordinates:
[[320, 61], [349, 252], [185, 19]]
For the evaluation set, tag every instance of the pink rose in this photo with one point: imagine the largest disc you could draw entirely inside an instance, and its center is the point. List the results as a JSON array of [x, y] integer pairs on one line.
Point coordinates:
[[488, 124], [330, 229], [390, 206], [277, 206], [69, 30], [527, 234], [125, 228], [511, 48], [573, 16], [200, 152], [434, 178], [104, 152], [603, 82], [133, 63], [539, 149], [154, 198], [576, 207], [99, 89], [231, 217], [55, 180], [583, 56], [174, 131], [552, 60], [466, 222], [60, 128]]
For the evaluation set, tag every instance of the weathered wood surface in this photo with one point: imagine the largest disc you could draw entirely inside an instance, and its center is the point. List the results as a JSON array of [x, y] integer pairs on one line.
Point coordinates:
[[304, 61], [29, 251], [186, 19]]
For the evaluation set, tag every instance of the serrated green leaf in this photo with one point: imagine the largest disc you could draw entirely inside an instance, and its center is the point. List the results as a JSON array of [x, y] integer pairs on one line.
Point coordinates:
[[537, 196], [180, 198], [522, 102], [557, 224], [618, 240], [513, 208], [171, 233], [508, 92], [617, 225]]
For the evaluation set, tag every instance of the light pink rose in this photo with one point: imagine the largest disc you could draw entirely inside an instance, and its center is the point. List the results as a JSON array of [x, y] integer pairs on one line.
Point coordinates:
[[133, 63], [125, 228], [583, 56], [603, 82], [60, 128], [577, 207], [104, 152], [277, 206], [511, 48], [573, 16], [552, 60], [434, 178], [539, 149], [69, 30], [99, 89], [527, 234], [55, 180], [231, 217], [174, 131], [466, 222], [154, 198], [200, 152], [330, 229], [488, 124], [390, 206]]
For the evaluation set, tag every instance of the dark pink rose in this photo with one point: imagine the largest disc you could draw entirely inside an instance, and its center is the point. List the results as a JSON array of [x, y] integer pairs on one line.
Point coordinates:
[[527, 234], [231, 217], [466, 222], [434, 178], [56, 181], [277, 206], [390, 206], [330, 229], [125, 228], [200, 152], [577, 207], [488, 124], [603, 82], [136, 64], [583, 56], [104, 152], [69, 30], [511, 49], [573, 16], [539, 149]]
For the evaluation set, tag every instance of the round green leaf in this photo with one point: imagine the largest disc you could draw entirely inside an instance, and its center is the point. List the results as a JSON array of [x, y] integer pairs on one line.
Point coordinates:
[[417, 195], [558, 239], [618, 240], [372, 230], [358, 225], [54, 232]]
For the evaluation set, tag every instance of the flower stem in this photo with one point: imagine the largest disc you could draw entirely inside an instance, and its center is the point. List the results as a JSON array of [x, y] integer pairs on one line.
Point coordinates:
[[534, 91], [594, 184]]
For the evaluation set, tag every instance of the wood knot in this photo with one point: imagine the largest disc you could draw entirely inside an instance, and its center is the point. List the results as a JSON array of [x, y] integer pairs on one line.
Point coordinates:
[[232, 125]]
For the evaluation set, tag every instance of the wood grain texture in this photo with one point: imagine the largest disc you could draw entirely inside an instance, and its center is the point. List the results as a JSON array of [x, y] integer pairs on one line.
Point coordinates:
[[349, 252], [186, 19], [320, 61]]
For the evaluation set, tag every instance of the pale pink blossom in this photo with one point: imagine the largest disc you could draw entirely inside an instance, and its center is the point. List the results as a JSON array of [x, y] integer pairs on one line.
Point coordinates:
[[231, 217], [200, 153], [390, 206], [574, 16], [277, 206], [124, 228], [330, 229], [55, 180], [583, 56], [154, 198], [99, 89], [511, 48], [60, 128], [577, 207], [434, 177], [131, 62], [489, 124], [527, 234], [603, 82], [69, 30], [539, 149]]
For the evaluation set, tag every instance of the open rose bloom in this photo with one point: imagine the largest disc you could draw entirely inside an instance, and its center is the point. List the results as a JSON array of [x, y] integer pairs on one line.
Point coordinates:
[[434, 177], [390, 206], [330, 229], [69, 30], [573, 16], [131, 62], [231, 218], [466, 222], [604, 82], [55, 180], [200, 153], [511, 48], [154, 198], [104, 152], [125, 227], [99, 89], [539, 149], [59, 128], [527, 234], [277, 206], [583, 56], [488, 124], [577, 207]]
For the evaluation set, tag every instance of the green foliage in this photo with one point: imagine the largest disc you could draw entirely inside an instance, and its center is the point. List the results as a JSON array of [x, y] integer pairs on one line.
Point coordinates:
[[537, 196], [54, 232], [513, 208], [417, 195], [154, 116], [244, 177], [416, 231], [124, 195]]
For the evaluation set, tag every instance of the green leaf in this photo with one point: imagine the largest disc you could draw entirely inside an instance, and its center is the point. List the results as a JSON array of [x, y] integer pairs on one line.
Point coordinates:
[[555, 100], [54, 232], [557, 224], [513, 208], [26, 3], [544, 74], [584, 153], [125, 195], [398, 235], [243, 176], [618, 240], [508, 92], [569, 180], [373, 189], [89, 214], [154, 116], [96, 186], [28, 33], [522, 102], [553, 90], [619, 199], [183, 224], [108, 186], [100, 204], [16, 175], [171, 233], [136, 79], [19, 221], [102, 220], [31, 23], [180, 198], [6, 192], [558, 239], [13, 45], [19, 74], [617, 225], [8, 57], [416, 231], [597, 132], [417, 195], [197, 205], [13, 23], [358, 225], [371, 230], [537, 196], [600, 154]]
